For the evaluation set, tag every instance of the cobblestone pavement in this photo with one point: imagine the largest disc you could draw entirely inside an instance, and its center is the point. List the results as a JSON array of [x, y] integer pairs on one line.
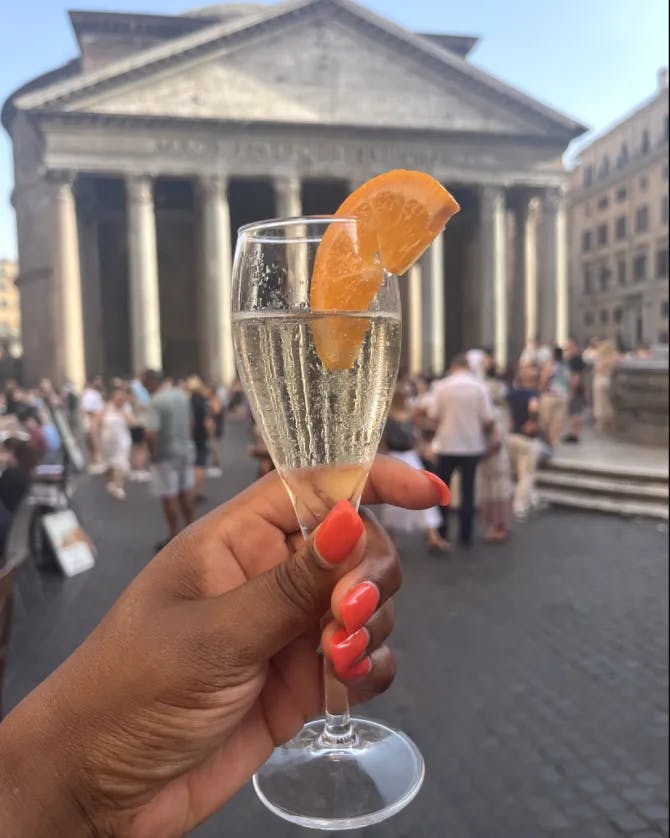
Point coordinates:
[[533, 676]]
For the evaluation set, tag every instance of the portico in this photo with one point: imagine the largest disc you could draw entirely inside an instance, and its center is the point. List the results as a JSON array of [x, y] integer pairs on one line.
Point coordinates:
[[142, 199]]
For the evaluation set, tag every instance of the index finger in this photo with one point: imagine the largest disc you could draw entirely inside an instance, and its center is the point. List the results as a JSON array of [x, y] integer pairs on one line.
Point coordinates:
[[390, 481], [394, 482]]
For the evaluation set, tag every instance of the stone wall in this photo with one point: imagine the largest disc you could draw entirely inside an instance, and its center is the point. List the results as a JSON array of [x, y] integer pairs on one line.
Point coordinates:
[[640, 400]]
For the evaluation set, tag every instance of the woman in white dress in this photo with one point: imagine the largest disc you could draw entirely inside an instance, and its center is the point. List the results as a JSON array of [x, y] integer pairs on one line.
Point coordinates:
[[116, 442], [399, 441], [494, 478]]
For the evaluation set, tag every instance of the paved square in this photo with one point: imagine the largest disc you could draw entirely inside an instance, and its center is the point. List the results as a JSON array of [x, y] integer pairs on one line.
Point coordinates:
[[533, 676]]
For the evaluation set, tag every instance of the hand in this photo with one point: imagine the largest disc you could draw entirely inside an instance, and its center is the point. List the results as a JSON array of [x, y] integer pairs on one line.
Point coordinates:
[[204, 665]]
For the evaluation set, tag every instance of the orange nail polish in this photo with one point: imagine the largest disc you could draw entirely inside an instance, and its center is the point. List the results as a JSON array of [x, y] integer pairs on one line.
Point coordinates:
[[346, 648], [339, 532], [359, 605], [444, 495], [358, 670]]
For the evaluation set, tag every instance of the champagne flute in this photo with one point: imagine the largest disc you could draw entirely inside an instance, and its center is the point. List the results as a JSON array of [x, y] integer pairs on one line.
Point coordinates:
[[321, 422]]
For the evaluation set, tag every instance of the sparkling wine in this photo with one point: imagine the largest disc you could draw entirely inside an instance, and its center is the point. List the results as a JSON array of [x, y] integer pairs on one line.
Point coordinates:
[[321, 426]]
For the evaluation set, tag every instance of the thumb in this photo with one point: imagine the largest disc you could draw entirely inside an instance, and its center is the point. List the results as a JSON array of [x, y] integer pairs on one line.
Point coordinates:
[[261, 616]]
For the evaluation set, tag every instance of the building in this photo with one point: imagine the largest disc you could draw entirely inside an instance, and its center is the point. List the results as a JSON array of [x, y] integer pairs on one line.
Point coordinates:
[[10, 310], [136, 162], [618, 211]]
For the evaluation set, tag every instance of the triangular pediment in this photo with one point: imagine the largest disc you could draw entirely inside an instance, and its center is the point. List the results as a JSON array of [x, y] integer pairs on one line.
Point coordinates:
[[325, 62]]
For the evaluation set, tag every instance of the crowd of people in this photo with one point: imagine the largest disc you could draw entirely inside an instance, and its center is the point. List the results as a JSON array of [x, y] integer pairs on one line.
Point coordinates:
[[493, 427], [489, 426], [176, 426]]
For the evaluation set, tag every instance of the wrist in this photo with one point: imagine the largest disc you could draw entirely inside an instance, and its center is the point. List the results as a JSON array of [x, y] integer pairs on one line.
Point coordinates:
[[38, 794]]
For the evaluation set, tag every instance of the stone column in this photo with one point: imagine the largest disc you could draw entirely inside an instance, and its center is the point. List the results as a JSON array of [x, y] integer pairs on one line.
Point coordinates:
[[288, 198], [145, 317], [554, 315], [217, 285], [523, 304], [415, 359], [493, 294], [69, 319], [288, 204], [437, 325]]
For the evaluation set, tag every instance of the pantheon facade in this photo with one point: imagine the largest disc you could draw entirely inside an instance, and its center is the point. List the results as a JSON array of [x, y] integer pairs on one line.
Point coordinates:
[[136, 162]]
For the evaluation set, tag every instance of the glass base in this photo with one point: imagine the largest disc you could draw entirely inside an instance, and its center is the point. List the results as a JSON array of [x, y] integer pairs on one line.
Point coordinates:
[[343, 786]]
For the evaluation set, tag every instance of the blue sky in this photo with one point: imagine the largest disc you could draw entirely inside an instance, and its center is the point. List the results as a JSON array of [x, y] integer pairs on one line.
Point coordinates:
[[592, 59]]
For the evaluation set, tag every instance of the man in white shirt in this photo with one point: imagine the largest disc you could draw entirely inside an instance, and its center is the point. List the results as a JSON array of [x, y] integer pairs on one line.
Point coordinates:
[[464, 413]]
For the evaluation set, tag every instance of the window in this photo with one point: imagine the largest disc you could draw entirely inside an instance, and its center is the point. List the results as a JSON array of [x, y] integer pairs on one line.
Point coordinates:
[[662, 263], [620, 228], [621, 194], [642, 219], [588, 175], [604, 167], [621, 271], [604, 316], [622, 159], [645, 144], [603, 203], [618, 315], [643, 183], [586, 241], [664, 309], [664, 209], [640, 267], [604, 278], [588, 279], [602, 235], [588, 318]]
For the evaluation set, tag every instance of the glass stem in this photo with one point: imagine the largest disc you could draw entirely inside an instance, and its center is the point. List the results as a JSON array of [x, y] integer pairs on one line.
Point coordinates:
[[337, 731]]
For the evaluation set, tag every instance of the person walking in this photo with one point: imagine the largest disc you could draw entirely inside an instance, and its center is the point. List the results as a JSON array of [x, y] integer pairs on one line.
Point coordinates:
[[116, 441], [554, 389], [168, 436], [217, 425], [139, 408], [577, 390], [495, 470], [91, 405], [464, 414], [523, 441], [200, 428]]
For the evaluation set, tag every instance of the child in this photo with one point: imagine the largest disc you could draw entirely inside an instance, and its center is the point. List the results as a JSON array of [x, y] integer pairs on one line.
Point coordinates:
[[399, 441]]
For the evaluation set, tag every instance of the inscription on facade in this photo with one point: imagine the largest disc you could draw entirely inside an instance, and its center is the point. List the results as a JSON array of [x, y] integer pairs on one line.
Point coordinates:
[[304, 156]]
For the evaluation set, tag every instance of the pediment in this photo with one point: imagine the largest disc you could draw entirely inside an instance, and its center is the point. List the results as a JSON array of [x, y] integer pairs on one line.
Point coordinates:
[[325, 62], [323, 72]]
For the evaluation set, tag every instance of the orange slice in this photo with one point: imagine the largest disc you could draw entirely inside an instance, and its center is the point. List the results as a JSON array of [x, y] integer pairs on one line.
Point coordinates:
[[398, 215]]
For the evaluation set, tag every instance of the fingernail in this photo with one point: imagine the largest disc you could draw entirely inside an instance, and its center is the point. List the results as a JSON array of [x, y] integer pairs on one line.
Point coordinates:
[[346, 648], [338, 533], [359, 605], [357, 670], [443, 493]]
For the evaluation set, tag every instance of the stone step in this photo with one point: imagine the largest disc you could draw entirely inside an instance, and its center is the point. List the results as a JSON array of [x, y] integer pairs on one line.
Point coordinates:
[[610, 470], [604, 485], [600, 503]]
